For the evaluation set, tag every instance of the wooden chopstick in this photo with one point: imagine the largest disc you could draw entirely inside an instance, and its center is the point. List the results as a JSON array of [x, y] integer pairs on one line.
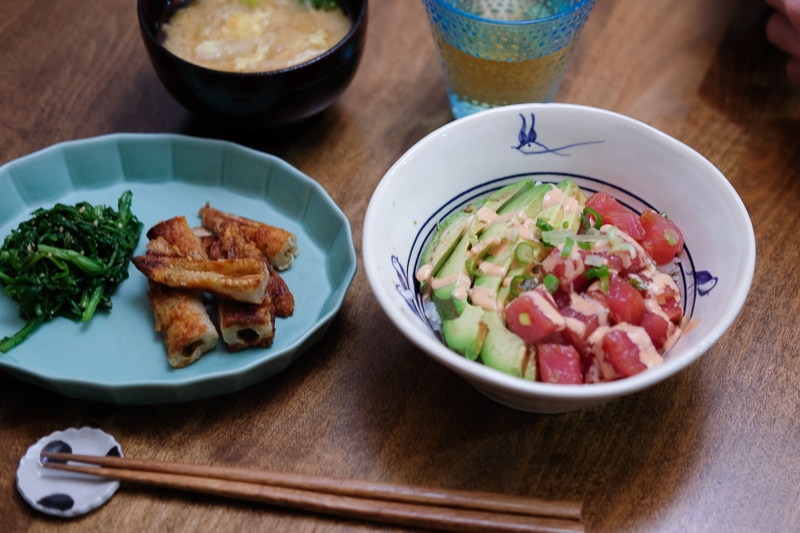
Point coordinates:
[[406, 493], [444, 510]]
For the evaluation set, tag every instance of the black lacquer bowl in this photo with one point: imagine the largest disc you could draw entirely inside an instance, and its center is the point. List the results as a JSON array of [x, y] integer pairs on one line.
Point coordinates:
[[260, 100]]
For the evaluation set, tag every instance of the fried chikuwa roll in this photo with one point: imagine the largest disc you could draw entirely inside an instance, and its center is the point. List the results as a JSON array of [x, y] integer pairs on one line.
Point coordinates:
[[277, 244], [245, 325], [238, 279], [177, 233], [180, 314], [184, 324], [233, 259], [242, 325]]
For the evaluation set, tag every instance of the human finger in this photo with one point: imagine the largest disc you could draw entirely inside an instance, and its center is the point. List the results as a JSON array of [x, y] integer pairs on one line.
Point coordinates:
[[782, 34], [791, 8]]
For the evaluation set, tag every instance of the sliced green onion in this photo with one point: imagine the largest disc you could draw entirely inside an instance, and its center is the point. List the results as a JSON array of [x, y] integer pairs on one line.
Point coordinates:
[[587, 216], [524, 253], [568, 244], [551, 283], [522, 283], [637, 282], [474, 267], [624, 246], [597, 272], [543, 225], [585, 245], [618, 243], [600, 273], [671, 236]]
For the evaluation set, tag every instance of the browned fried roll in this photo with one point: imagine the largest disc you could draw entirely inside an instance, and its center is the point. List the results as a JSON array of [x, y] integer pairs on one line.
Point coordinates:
[[244, 280], [227, 259], [245, 325], [180, 314], [242, 324], [177, 233], [184, 324], [230, 244], [277, 244]]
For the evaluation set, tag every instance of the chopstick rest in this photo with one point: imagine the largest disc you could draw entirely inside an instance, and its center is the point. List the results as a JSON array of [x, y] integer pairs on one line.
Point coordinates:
[[66, 496], [443, 510]]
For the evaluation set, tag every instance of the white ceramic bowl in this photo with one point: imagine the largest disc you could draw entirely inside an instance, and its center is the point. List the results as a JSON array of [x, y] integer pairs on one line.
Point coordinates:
[[601, 151]]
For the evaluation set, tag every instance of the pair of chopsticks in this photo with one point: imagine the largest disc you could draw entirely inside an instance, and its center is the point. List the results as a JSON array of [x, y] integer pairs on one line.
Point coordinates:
[[404, 505]]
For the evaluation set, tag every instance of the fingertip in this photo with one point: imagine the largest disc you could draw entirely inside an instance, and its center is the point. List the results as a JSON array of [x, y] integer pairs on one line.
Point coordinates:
[[777, 26], [793, 70], [792, 10]]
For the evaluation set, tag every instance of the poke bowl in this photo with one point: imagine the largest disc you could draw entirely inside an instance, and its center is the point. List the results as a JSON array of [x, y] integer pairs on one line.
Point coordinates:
[[471, 161]]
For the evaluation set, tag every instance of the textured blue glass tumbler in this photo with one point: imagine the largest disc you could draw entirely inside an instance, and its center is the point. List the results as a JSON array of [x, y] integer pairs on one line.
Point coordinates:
[[501, 52]]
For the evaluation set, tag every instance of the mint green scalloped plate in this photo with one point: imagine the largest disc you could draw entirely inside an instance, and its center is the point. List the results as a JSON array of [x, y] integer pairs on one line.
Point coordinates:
[[117, 357]]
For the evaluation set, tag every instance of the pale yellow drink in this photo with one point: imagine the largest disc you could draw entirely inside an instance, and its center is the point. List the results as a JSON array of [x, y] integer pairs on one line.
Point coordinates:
[[500, 52], [485, 83]]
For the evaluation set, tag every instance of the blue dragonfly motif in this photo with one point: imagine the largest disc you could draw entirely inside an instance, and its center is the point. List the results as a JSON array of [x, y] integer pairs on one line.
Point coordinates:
[[705, 282], [528, 143]]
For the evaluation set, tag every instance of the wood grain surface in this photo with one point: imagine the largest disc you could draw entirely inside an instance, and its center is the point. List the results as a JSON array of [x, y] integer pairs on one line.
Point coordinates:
[[712, 449]]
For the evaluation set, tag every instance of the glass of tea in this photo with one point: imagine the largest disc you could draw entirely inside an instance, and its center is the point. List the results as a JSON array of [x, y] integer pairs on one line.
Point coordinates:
[[501, 52]]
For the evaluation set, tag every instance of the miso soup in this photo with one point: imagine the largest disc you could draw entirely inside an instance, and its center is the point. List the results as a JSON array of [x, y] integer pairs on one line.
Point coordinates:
[[252, 35]]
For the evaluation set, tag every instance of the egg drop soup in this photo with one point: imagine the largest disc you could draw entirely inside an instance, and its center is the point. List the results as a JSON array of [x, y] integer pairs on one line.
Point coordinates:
[[253, 35]]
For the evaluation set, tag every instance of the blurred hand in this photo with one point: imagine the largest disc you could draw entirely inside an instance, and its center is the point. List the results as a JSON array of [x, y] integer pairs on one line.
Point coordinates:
[[783, 30]]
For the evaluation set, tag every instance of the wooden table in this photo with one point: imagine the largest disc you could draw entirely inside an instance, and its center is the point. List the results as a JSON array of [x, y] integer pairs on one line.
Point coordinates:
[[711, 449]]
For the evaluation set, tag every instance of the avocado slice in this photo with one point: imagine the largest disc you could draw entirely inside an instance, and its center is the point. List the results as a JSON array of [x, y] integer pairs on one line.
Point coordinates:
[[453, 274], [466, 333], [497, 232], [520, 195], [505, 351], [572, 190], [454, 227], [558, 215], [454, 267], [448, 234], [501, 197], [530, 203], [462, 322]]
